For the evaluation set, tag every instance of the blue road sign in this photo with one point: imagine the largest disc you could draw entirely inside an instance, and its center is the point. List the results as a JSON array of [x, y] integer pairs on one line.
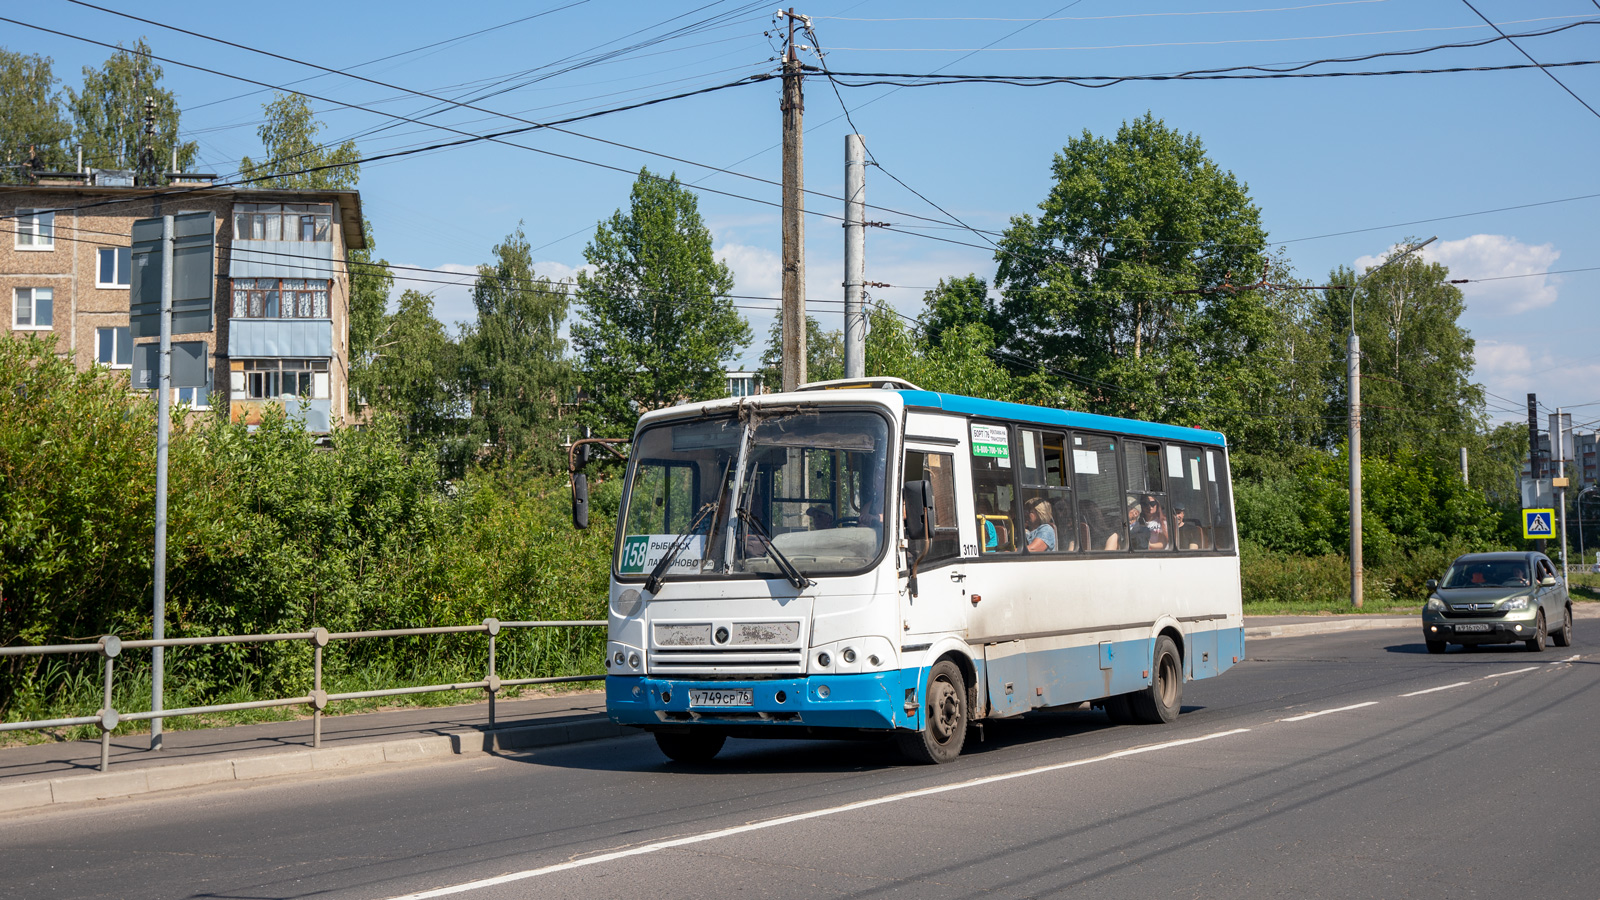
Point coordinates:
[[1538, 523]]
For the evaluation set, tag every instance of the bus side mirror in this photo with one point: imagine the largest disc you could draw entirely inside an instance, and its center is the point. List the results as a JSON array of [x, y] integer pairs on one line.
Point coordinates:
[[918, 499], [580, 500]]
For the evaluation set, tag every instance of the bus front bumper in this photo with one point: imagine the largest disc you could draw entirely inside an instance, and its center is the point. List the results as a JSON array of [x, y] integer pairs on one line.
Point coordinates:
[[874, 701]]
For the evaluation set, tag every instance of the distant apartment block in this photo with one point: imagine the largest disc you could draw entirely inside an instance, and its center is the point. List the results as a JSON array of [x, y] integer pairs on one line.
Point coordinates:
[[282, 316]]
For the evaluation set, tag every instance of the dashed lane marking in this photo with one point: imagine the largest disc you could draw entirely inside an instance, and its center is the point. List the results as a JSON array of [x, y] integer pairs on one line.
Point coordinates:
[[1323, 712], [799, 817], [1440, 688]]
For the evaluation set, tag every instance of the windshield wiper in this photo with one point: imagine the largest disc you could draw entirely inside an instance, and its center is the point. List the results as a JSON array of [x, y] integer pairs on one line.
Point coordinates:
[[790, 572], [653, 583]]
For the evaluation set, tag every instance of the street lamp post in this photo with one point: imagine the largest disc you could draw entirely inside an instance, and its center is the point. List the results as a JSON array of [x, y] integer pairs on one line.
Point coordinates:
[[1579, 501], [1354, 374]]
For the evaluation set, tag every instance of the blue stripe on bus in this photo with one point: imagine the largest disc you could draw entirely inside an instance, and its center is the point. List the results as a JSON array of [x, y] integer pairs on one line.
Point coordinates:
[[876, 700], [1063, 418]]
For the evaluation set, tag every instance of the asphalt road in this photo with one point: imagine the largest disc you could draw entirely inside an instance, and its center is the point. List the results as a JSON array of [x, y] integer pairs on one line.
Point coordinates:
[[1351, 765]]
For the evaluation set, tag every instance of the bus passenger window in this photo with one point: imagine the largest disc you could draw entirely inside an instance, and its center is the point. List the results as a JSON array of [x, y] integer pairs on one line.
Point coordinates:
[[993, 492], [1187, 493], [1101, 524], [1047, 517]]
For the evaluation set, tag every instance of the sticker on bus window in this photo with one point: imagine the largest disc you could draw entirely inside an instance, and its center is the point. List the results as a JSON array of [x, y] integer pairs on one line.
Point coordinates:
[[1086, 462], [1194, 473], [641, 552], [1211, 465], [993, 442], [1174, 461]]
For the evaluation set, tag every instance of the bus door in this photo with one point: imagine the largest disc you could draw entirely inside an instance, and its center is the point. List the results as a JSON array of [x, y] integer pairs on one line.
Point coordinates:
[[939, 605]]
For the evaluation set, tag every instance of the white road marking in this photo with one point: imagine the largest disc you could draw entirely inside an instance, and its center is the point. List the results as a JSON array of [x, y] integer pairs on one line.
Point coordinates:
[[798, 817], [1323, 712], [1431, 690], [1512, 672]]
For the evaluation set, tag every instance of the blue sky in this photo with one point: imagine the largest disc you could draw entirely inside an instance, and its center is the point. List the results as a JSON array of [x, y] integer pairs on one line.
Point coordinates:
[[1338, 166]]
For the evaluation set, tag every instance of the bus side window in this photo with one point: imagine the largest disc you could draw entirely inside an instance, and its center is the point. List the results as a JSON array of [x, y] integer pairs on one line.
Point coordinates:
[[940, 470], [1102, 526], [994, 494], [1047, 523], [1217, 485]]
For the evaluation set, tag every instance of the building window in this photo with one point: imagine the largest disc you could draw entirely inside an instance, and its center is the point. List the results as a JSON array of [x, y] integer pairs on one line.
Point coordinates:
[[36, 229], [33, 308], [195, 397], [283, 379], [282, 221], [114, 346], [280, 298], [115, 262]]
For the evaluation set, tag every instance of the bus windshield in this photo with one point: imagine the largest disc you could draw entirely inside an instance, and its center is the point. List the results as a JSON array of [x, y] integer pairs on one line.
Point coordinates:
[[810, 490]]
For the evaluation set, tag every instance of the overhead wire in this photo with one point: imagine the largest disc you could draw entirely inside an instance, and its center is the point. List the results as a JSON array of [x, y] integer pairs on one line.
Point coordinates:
[[1541, 66]]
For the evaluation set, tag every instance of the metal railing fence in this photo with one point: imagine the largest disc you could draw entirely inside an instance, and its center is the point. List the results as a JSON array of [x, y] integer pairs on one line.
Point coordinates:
[[110, 647]]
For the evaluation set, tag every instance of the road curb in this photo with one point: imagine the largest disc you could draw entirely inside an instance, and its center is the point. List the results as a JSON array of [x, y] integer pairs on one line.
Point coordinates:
[[36, 793], [1332, 626]]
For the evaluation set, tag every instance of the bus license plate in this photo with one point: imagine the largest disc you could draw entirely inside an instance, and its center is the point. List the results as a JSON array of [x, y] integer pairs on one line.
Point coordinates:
[[1477, 626], [739, 697]]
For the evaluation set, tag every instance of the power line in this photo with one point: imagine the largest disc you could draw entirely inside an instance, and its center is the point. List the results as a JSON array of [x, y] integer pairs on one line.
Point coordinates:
[[1531, 59], [1153, 15]]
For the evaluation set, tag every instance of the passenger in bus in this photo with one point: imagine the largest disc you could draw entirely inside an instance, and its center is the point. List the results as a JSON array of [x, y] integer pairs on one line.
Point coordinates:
[[1040, 535], [1189, 535], [1147, 525], [1103, 533], [821, 518]]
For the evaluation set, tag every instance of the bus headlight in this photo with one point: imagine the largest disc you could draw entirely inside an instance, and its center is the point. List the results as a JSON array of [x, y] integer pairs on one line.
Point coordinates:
[[824, 660], [849, 654]]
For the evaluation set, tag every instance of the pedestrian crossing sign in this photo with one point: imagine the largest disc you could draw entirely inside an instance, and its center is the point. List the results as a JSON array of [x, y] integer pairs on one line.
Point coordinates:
[[1538, 524]]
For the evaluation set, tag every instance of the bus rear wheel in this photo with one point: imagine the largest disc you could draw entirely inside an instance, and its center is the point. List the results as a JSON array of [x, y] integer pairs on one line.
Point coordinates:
[[1159, 703], [697, 746], [945, 717]]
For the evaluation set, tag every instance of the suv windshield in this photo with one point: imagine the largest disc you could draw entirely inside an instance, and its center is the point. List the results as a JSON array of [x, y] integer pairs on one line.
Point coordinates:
[[809, 489], [1487, 573]]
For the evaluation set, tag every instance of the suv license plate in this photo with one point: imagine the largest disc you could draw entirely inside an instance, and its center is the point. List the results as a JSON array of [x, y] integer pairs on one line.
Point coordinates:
[[1479, 626], [739, 697]]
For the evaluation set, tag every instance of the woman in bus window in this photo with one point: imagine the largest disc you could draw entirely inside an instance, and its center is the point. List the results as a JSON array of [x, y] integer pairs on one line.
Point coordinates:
[[1041, 533], [1147, 524]]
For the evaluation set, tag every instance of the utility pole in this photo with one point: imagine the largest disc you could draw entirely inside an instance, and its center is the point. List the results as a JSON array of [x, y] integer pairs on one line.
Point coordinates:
[[1464, 478], [1353, 349], [855, 253], [1558, 449], [1535, 471], [163, 430], [794, 230]]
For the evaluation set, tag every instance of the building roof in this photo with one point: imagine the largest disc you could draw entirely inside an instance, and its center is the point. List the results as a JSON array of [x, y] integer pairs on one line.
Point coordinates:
[[350, 218]]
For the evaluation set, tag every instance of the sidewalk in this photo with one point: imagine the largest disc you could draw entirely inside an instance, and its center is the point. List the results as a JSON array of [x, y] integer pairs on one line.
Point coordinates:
[[68, 772]]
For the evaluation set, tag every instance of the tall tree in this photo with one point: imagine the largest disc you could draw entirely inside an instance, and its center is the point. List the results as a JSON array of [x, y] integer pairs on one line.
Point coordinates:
[[958, 302], [414, 372], [1134, 275], [33, 132], [109, 114], [1416, 359], [515, 358], [656, 324], [294, 159]]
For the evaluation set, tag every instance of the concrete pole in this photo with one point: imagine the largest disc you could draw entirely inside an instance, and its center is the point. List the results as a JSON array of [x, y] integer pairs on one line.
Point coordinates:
[[163, 428], [794, 231], [855, 256], [1464, 478], [1355, 467], [1558, 446]]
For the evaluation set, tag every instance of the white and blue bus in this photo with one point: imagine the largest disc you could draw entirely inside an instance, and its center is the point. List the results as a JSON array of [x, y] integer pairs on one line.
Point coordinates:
[[878, 558]]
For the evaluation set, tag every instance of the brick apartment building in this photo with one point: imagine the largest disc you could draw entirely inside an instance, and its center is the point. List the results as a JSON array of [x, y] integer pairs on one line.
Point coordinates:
[[282, 318]]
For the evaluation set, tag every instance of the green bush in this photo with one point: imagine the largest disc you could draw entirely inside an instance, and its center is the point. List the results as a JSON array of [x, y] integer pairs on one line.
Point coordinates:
[[271, 532]]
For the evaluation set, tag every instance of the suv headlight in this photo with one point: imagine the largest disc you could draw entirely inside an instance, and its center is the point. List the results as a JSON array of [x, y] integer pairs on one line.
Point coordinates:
[[1515, 603], [1436, 604]]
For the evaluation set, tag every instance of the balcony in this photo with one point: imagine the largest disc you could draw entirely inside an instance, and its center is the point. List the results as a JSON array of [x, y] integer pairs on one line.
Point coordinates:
[[280, 338]]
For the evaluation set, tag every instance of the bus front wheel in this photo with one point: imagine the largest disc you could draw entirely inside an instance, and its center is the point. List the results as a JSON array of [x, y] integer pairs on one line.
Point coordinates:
[[945, 718], [697, 746], [1159, 703]]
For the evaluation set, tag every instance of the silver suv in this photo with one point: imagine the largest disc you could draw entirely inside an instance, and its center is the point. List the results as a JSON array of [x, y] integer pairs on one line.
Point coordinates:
[[1498, 598]]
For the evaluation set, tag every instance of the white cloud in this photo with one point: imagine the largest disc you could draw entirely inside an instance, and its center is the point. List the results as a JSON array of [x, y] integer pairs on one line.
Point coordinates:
[[757, 271], [1495, 256]]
